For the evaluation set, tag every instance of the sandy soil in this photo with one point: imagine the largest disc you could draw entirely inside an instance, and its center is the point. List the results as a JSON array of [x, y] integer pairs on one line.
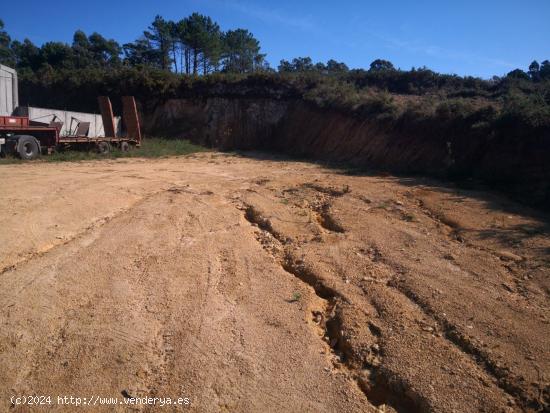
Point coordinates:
[[249, 284]]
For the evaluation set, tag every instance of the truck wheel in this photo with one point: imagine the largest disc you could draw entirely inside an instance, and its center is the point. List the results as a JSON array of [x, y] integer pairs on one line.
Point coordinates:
[[103, 148], [124, 146], [28, 147]]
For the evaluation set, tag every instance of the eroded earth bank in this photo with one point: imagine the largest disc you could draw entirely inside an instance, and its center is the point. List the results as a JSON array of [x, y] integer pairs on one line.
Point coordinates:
[[249, 283]]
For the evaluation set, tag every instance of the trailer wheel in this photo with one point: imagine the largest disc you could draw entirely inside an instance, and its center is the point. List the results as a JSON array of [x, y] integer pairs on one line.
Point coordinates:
[[27, 147], [124, 146], [103, 148]]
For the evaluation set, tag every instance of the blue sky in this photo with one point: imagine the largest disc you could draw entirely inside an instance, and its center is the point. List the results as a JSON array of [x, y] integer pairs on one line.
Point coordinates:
[[481, 38]]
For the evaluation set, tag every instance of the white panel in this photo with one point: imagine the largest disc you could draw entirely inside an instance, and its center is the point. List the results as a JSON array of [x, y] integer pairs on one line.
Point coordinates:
[[9, 95], [6, 93], [96, 122], [4, 101]]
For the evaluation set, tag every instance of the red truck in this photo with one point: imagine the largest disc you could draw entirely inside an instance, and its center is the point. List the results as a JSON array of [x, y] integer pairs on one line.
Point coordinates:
[[28, 140]]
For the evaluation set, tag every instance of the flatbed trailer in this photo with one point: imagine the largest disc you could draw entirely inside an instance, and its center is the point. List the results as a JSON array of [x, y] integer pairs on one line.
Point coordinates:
[[20, 137]]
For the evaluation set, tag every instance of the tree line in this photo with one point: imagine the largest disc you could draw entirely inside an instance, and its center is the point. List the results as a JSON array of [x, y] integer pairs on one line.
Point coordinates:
[[196, 45], [193, 45], [536, 72]]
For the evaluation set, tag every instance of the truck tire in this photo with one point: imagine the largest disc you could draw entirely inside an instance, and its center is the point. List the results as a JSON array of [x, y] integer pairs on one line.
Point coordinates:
[[103, 148], [124, 146], [27, 147]]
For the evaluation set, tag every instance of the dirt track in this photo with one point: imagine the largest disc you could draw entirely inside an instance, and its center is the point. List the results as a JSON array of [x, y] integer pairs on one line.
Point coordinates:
[[252, 284]]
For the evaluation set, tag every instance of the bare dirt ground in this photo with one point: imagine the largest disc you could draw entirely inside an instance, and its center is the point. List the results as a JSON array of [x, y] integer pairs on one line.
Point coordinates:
[[250, 284]]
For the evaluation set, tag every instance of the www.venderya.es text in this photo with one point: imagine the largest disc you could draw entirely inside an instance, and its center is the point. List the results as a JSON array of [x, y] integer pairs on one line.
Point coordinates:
[[94, 400]]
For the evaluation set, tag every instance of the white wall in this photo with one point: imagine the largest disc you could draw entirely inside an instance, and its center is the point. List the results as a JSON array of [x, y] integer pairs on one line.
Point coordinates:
[[9, 98], [47, 115]]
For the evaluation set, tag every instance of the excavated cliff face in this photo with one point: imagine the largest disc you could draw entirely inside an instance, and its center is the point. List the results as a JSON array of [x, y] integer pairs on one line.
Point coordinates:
[[520, 167], [219, 122], [296, 128], [333, 136]]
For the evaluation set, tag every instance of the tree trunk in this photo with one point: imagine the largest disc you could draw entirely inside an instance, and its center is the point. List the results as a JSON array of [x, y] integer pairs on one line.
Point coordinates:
[[175, 57], [195, 61], [186, 55], [163, 50], [181, 58]]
